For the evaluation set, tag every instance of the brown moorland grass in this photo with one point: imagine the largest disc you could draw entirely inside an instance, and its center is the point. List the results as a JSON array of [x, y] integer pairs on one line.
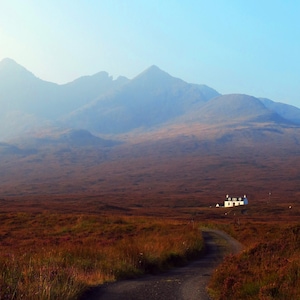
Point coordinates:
[[57, 256], [54, 204], [269, 267], [47, 254], [51, 254], [150, 168]]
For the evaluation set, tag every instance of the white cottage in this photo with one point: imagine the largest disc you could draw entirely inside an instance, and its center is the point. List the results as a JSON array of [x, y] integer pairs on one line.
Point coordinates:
[[235, 201]]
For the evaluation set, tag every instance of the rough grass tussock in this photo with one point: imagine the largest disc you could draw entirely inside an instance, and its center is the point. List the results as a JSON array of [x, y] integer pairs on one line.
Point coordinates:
[[267, 269], [58, 256]]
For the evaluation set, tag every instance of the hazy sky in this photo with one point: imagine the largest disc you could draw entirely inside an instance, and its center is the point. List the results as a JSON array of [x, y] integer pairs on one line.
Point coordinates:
[[234, 46]]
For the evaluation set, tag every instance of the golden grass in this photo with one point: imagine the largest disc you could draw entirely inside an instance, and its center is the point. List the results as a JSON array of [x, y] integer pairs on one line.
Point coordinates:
[[47, 254], [57, 256]]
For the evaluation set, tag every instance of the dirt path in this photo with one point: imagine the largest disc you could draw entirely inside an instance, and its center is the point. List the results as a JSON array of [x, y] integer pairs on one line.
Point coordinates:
[[188, 282]]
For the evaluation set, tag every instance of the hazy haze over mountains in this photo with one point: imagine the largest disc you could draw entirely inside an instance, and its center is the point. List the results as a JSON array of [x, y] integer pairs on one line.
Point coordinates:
[[120, 137], [102, 105], [151, 137]]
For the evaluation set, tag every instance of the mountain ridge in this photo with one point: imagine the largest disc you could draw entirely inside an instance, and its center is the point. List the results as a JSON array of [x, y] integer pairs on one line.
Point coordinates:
[[151, 140], [237, 108], [103, 105]]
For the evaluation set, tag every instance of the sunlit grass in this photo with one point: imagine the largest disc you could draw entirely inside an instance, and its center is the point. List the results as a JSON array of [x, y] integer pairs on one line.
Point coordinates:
[[57, 256]]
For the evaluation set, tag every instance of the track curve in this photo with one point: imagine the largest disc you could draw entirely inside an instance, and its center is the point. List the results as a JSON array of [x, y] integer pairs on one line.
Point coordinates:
[[185, 283]]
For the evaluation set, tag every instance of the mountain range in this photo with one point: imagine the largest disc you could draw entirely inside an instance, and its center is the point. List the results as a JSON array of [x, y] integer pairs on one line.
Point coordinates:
[[151, 140], [103, 105]]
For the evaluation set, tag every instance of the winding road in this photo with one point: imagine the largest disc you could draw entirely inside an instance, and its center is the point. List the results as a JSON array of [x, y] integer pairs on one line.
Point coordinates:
[[185, 283]]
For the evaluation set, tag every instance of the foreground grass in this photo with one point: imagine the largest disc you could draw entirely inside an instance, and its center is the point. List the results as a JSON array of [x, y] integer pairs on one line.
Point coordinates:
[[269, 268], [57, 256]]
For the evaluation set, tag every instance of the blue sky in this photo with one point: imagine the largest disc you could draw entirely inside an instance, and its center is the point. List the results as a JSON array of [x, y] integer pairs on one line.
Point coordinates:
[[234, 46]]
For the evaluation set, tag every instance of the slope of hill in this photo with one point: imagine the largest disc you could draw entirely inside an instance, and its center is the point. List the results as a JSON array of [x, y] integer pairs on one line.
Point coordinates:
[[286, 111], [21, 91], [234, 108], [9, 149]]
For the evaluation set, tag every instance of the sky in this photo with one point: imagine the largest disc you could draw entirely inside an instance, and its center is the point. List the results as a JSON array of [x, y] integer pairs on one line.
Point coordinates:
[[234, 46]]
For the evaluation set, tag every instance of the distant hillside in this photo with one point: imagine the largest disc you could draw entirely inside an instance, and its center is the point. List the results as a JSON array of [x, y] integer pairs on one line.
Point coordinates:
[[81, 138], [179, 164], [64, 138]]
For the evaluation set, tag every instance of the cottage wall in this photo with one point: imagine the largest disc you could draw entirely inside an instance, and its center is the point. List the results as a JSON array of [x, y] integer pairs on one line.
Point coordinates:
[[235, 201]]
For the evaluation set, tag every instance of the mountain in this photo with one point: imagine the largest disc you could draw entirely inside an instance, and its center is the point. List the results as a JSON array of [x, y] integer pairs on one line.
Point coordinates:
[[103, 105], [27, 101], [151, 140], [85, 89], [150, 99], [21, 91]]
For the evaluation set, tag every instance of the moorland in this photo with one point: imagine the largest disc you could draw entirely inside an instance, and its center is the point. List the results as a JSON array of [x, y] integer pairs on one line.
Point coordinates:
[[137, 207], [120, 185]]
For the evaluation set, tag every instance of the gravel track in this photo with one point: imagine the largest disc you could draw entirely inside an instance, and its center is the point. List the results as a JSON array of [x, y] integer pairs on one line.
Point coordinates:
[[184, 283]]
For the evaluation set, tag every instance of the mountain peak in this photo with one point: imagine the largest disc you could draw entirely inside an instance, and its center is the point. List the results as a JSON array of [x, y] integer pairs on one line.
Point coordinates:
[[153, 75], [9, 67], [7, 60], [154, 70], [8, 63]]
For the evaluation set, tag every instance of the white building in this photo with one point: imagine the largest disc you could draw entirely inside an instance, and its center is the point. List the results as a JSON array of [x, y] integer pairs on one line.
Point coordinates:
[[235, 201]]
